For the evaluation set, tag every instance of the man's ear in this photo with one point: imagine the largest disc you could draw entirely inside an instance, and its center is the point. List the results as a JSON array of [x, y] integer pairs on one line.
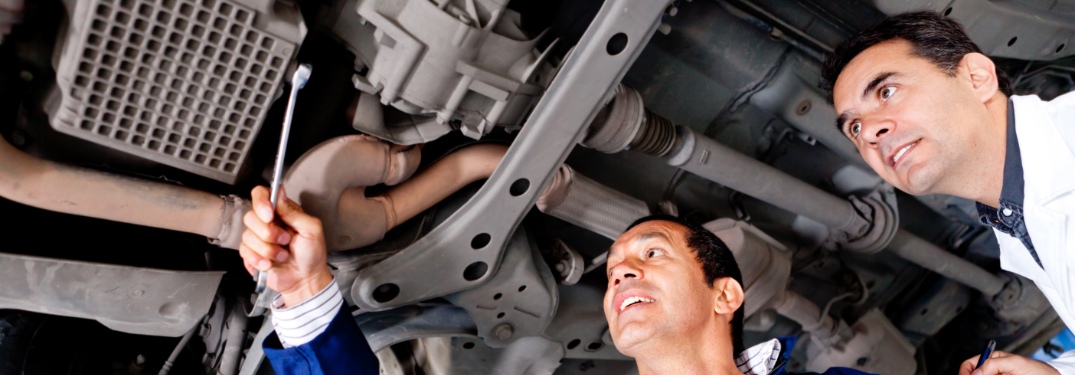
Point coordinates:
[[729, 296], [982, 73]]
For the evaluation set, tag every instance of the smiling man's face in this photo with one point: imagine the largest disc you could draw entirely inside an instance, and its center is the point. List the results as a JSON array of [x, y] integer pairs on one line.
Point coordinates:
[[911, 122], [656, 289]]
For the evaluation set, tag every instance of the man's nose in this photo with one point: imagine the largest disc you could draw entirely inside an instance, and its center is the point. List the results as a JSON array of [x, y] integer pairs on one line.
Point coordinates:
[[872, 131], [625, 270]]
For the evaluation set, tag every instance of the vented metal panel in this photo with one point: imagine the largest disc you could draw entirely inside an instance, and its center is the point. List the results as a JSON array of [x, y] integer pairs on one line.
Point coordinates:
[[184, 83]]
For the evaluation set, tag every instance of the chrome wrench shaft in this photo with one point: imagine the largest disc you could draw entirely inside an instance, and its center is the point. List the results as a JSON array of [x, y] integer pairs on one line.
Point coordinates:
[[298, 81]]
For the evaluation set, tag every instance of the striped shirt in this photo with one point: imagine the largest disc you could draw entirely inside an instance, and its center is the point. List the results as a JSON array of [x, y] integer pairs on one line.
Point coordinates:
[[759, 359], [299, 324]]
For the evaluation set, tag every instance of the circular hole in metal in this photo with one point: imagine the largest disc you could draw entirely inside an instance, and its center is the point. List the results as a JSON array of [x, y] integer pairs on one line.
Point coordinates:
[[522, 288], [500, 315], [1012, 40], [803, 108], [468, 345], [616, 44], [923, 312], [385, 292], [475, 271], [480, 241], [594, 346], [497, 296], [948, 11], [519, 187], [1060, 47], [573, 344]]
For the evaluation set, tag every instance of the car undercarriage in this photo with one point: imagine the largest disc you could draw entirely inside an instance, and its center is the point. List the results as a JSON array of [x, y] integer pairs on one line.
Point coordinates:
[[472, 161]]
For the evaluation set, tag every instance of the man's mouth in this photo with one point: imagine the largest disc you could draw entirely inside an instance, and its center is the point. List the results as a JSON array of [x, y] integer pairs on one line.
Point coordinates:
[[630, 301], [895, 159]]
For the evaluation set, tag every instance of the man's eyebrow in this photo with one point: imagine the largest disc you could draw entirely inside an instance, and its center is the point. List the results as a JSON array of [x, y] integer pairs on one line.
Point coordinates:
[[651, 235], [877, 81]]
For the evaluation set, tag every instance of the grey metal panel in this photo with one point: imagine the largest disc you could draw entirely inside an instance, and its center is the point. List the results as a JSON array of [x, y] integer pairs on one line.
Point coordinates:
[[553, 129], [128, 299], [1003, 28], [181, 82]]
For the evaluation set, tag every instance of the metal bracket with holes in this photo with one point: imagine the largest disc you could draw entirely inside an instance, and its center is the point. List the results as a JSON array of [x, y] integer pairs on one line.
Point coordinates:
[[466, 250]]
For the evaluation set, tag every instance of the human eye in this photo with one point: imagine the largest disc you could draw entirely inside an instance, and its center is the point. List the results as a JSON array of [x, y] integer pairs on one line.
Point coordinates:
[[854, 128], [887, 92], [654, 252]]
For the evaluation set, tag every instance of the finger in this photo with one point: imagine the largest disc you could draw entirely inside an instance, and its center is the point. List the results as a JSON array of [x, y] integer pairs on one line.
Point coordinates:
[[259, 199], [968, 366], [1000, 365], [266, 250], [293, 215], [252, 260], [265, 231]]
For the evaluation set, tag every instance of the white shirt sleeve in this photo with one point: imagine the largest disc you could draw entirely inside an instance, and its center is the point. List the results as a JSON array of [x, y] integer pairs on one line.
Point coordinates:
[[300, 324], [1065, 363], [759, 359]]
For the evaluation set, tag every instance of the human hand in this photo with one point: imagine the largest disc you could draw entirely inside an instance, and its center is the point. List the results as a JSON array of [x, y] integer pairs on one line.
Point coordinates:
[[1006, 363], [293, 255]]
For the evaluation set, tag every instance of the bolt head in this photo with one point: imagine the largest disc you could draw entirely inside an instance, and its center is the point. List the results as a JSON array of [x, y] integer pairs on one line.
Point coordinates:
[[504, 331]]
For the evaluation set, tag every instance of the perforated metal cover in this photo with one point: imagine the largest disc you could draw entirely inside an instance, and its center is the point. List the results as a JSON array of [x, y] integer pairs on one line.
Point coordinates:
[[184, 83]]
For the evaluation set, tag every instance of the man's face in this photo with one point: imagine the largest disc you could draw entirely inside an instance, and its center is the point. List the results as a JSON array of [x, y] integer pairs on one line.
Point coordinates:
[[656, 288], [911, 122]]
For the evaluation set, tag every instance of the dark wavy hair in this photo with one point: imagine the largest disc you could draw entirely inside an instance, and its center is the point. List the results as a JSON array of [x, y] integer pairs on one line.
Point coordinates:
[[717, 262], [933, 37]]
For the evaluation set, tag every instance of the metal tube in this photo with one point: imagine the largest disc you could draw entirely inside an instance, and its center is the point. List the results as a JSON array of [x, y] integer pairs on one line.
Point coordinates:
[[927, 255], [586, 203], [705, 157], [805, 312], [175, 353], [78, 191], [233, 348]]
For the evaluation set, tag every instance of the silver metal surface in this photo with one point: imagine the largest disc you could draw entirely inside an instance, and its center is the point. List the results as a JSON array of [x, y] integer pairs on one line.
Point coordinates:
[[298, 81], [465, 62], [255, 356], [384, 328], [929, 256], [1033, 30], [184, 83], [555, 126], [127, 299], [518, 301], [705, 157]]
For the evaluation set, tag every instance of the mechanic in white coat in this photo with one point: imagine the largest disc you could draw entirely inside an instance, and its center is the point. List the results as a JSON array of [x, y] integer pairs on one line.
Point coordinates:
[[932, 115]]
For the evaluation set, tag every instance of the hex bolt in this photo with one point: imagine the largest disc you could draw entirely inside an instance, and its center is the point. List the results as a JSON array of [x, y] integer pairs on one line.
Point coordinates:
[[504, 331]]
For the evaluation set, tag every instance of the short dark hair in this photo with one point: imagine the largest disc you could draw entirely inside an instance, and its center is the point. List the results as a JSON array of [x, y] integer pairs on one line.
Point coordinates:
[[933, 37], [717, 262]]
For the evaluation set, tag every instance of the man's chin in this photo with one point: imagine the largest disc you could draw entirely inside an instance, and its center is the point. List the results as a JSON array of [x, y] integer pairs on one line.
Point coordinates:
[[632, 339], [918, 181]]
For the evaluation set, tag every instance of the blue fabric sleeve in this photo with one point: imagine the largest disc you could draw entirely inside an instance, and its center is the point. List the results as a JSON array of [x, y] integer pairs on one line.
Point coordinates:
[[341, 349]]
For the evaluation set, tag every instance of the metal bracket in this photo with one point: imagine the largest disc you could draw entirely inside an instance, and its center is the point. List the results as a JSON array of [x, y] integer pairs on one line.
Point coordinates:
[[466, 250], [518, 301], [127, 299]]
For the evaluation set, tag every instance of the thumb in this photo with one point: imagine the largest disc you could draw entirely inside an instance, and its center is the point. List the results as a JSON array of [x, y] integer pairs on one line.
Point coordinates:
[[293, 216]]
